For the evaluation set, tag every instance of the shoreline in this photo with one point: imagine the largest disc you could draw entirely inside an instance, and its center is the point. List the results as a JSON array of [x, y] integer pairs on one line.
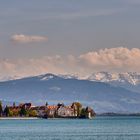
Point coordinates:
[[35, 118], [19, 118]]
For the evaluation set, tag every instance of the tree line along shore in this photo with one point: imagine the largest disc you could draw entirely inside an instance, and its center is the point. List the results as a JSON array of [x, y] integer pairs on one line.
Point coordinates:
[[24, 110]]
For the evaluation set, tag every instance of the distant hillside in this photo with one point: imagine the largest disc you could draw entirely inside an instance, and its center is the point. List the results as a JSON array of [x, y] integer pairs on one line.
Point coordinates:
[[103, 97]]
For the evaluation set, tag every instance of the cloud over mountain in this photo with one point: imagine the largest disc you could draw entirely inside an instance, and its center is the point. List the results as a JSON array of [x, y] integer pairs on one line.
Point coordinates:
[[119, 59], [20, 38], [112, 60]]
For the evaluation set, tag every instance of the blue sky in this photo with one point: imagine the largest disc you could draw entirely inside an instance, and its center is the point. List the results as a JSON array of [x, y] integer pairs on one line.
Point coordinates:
[[72, 28]]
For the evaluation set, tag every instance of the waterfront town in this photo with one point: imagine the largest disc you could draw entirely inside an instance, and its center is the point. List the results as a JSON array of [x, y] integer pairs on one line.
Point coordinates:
[[75, 110]]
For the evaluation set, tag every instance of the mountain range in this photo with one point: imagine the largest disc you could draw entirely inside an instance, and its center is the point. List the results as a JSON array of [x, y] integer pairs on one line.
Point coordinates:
[[128, 80], [105, 92]]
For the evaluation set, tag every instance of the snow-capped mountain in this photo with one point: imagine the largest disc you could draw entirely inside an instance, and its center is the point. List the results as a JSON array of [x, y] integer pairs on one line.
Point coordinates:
[[132, 78], [42, 77], [53, 88]]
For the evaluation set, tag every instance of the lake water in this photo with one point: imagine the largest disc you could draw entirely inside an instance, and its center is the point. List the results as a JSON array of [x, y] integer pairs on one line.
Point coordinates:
[[100, 128]]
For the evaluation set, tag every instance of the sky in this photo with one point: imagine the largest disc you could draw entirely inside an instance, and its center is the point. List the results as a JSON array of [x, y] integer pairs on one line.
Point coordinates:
[[69, 36]]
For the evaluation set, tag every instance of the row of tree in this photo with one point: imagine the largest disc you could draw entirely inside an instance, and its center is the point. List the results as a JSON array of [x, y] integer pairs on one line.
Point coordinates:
[[22, 112]]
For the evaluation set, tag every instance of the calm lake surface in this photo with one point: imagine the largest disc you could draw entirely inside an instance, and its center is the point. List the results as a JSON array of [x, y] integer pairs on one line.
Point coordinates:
[[100, 128]]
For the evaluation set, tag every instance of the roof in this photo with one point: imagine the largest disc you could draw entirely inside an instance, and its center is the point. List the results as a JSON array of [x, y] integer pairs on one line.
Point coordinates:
[[52, 107]]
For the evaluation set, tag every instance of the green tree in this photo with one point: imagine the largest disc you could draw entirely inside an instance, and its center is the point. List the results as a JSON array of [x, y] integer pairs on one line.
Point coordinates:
[[7, 111], [83, 113], [23, 111], [1, 110], [11, 113], [32, 113], [79, 107], [14, 104], [46, 104]]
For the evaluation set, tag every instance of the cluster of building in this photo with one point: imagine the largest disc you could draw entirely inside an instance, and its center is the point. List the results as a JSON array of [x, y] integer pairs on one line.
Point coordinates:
[[53, 111]]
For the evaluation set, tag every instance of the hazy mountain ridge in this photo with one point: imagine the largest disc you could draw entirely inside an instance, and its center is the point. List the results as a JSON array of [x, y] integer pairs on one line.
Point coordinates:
[[129, 77], [102, 96]]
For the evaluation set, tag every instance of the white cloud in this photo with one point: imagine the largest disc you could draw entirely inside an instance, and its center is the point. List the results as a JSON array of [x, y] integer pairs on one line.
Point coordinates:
[[20, 38], [113, 60], [30, 67]]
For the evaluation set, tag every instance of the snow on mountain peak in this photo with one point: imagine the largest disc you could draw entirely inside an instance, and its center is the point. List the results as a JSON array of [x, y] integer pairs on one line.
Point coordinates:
[[132, 78], [129, 77], [46, 77], [69, 76], [103, 77]]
